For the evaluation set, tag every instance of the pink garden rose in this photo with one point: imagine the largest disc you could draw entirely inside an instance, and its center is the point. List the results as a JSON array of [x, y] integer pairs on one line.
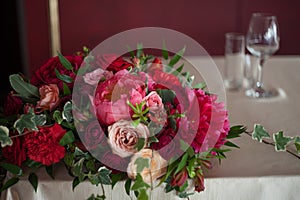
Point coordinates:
[[49, 98], [92, 78], [123, 137], [153, 100]]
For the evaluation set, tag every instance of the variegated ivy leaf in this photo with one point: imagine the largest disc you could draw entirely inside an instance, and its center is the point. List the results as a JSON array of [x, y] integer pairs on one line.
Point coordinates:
[[67, 112], [281, 141], [4, 137], [142, 163], [29, 121], [259, 133], [297, 144]]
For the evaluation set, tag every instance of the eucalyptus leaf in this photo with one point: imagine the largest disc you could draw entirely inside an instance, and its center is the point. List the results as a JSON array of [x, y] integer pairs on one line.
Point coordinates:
[[128, 186], [33, 179], [4, 137], [281, 141], [49, 170], [176, 57], [65, 62], [27, 91], [9, 183], [63, 77], [14, 169]]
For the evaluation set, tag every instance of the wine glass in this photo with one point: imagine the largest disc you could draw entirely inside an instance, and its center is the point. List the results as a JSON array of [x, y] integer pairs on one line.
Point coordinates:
[[262, 40]]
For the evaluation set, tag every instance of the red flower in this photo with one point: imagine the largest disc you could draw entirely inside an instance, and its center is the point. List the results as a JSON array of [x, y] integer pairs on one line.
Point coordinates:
[[15, 154], [46, 73], [112, 62], [199, 182], [180, 178], [165, 80], [12, 105], [93, 135], [43, 145]]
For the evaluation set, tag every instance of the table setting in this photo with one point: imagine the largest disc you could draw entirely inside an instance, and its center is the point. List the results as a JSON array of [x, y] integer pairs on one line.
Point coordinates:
[[136, 125]]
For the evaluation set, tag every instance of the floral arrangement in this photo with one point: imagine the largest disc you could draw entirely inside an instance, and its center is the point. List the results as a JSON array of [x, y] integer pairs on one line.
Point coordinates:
[[141, 120]]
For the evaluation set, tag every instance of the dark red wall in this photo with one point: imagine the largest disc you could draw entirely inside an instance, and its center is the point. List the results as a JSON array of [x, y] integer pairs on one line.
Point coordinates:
[[89, 22]]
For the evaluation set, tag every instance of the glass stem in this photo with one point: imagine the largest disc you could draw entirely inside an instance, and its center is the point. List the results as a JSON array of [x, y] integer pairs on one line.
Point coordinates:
[[259, 82]]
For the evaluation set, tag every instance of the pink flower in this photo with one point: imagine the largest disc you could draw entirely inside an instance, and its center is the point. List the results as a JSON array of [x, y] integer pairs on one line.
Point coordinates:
[[97, 75], [153, 100], [49, 98], [213, 125], [123, 137]]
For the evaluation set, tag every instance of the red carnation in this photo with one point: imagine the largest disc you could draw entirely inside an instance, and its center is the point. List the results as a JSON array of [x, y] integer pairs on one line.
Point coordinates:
[[43, 145]]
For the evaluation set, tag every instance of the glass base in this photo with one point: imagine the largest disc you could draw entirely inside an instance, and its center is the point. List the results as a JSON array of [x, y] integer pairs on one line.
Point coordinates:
[[260, 92]]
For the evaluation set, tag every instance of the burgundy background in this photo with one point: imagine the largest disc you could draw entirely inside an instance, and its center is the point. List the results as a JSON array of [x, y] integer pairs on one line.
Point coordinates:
[[91, 21], [26, 43]]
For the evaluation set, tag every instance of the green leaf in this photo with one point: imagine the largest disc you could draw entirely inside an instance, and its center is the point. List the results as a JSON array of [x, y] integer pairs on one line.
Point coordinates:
[[139, 51], [67, 112], [139, 183], [297, 144], [77, 170], [142, 163], [142, 195], [33, 179], [166, 95], [63, 77], [182, 163], [14, 169], [115, 178], [230, 144], [65, 62], [127, 186], [200, 86], [281, 141], [49, 170], [165, 52], [68, 138], [176, 57], [29, 121], [9, 183], [66, 89], [104, 175], [236, 131], [57, 116], [186, 148], [75, 183], [26, 91], [259, 133], [4, 137], [184, 195], [130, 51], [140, 144]]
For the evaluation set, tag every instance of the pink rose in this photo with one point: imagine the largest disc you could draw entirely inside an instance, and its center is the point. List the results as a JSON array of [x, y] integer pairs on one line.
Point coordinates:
[[153, 100], [97, 75], [158, 166], [49, 98], [123, 137]]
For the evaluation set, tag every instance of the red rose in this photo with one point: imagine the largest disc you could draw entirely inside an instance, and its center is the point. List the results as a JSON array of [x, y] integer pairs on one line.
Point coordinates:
[[12, 105], [46, 73], [165, 80], [112, 62], [15, 154], [43, 145], [93, 135]]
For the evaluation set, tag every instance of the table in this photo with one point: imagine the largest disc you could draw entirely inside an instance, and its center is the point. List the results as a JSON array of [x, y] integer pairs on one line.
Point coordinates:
[[255, 171]]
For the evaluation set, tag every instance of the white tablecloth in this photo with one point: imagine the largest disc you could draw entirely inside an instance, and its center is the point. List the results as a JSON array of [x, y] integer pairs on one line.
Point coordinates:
[[255, 171]]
